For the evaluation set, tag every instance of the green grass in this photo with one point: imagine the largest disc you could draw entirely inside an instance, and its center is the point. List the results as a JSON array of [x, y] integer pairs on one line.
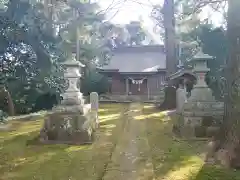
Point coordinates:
[[172, 160], [179, 160], [19, 161]]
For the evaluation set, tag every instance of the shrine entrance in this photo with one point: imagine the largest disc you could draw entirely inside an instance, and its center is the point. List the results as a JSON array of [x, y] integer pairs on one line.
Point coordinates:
[[137, 86]]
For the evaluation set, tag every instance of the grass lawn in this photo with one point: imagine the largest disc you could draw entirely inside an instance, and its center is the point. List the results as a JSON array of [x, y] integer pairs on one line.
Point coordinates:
[[171, 159], [179, 160], [19, 161]]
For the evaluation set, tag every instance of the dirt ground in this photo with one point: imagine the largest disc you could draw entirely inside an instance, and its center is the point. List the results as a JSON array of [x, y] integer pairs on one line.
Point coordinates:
[[131, 158]]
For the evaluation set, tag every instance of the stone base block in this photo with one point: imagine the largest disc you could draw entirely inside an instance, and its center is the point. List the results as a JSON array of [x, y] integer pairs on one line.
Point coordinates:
[[68, 128], [188, 131], [193, 121], [212, 131], [204, 126], [200, 132]]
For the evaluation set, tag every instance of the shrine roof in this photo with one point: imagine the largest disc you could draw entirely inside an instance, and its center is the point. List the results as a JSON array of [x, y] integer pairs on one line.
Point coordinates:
[[140, 48], [182, 72], [136, 59]]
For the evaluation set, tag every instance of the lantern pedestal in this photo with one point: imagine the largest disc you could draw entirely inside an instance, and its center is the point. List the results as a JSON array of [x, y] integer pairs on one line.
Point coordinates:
[[72, 122]]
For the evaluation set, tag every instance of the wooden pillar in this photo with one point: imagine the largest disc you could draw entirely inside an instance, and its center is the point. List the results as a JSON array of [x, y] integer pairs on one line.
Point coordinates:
[[148, 92], [185, 81], [127, 86]]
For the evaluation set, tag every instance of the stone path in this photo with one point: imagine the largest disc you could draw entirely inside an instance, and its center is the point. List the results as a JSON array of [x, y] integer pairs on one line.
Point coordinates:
[[130, 159]]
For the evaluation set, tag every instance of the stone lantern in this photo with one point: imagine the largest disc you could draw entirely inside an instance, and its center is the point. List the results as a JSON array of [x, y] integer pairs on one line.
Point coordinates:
[[72, 96], [71, 122], [201, 107], [201, 92]]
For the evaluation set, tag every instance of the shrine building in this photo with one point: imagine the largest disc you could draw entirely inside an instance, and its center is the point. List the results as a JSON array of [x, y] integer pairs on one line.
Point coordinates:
[[136, 71]]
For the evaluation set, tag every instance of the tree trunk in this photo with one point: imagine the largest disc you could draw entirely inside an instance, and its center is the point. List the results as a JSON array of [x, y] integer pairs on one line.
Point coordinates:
[[5, 95], [170, 39], [230, 137], [10, 104]]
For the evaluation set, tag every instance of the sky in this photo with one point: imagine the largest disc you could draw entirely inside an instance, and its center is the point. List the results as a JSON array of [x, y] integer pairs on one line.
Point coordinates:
[[124, 11], [131, 10]]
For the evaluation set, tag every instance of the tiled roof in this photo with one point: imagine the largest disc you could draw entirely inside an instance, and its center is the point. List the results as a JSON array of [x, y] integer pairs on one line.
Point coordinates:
[[182, 72], [138, 59]]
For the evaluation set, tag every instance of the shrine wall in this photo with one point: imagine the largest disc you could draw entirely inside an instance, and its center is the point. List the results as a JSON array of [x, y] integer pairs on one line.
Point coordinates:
[[152, 85], [156, 83], [118, 85]]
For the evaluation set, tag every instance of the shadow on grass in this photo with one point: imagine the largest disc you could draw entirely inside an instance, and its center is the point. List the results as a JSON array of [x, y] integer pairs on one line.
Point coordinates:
[[21, 162], [209, 172], [172, 159], [50, 162], [179, 160]]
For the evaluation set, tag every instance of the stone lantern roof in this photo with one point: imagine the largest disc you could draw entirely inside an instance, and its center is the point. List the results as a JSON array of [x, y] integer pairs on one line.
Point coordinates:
[[71, 62], [200, 62], [201, 56]]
